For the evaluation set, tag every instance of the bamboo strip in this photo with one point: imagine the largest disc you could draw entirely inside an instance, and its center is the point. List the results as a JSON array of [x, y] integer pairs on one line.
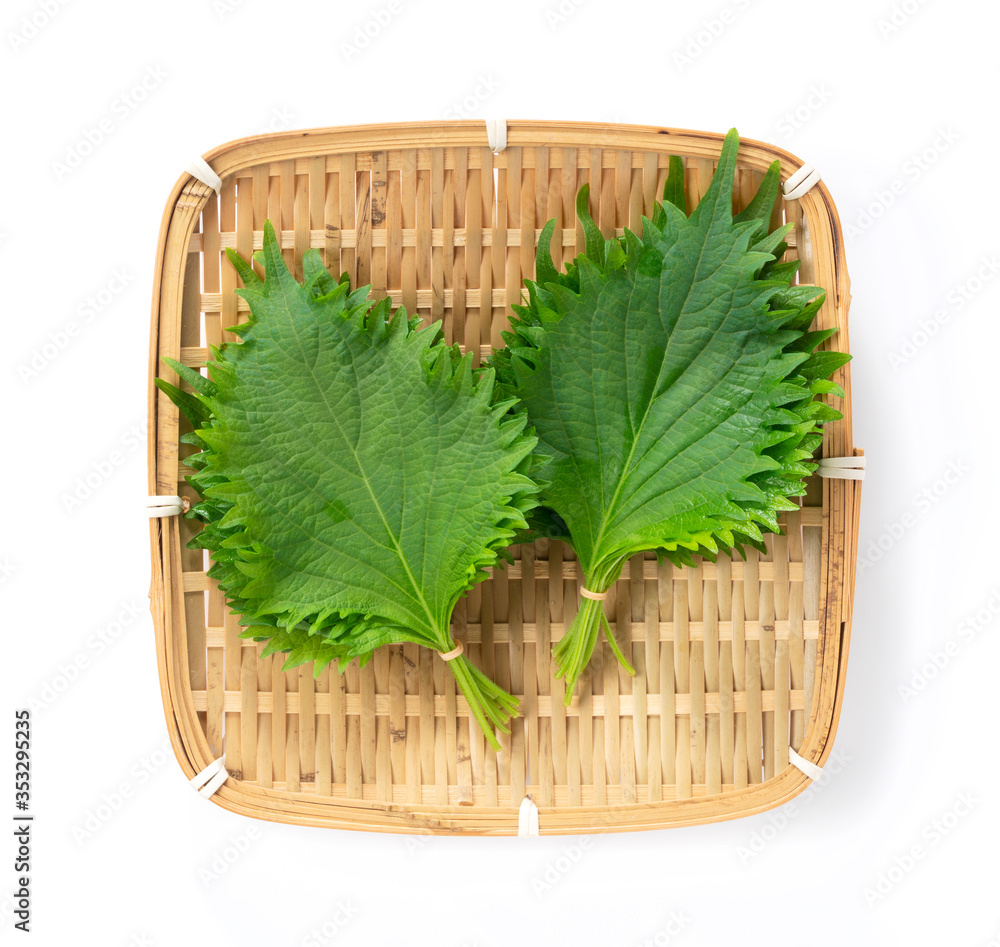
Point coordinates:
[[558, 143], [442, 259], [307, 723], [682, 675], [741, 736], [379, 201], [755, 720], [352, 695], [383, 735], [529, 663], [317, 192], [473, 260], [324, 759], [356, 704], [713, 736], [422, 251], [518, 736], [727, 751], [637, 746], [668, 686], [477, 740], [281, 205], [627, 749], [363, 202], [443, 725], [561, 739], [487, 657], [546, 767], [525, 239], [194, 604], [279, 718], [331, 228], [265, 761], [437, 799], [617, 602], [408, 266], [764, 571], [348, 220], [655, 726], [411, 655], [767, 661], [302, 221]]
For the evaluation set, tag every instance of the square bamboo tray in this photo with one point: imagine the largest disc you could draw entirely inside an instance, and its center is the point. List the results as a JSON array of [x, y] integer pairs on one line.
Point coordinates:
[[736, 661]]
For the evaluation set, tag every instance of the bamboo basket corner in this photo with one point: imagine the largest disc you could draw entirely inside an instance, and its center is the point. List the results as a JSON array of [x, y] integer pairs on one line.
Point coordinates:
[[737, 661]]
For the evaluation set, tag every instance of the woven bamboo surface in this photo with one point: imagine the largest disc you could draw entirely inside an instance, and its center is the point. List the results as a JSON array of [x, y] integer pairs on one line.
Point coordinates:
[[736, 661]]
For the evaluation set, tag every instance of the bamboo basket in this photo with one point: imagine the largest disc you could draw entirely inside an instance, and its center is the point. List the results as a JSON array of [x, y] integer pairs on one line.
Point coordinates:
[[736, 661]]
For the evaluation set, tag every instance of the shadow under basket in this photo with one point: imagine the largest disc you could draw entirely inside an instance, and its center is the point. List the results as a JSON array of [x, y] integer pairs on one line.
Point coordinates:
[[740, 665]]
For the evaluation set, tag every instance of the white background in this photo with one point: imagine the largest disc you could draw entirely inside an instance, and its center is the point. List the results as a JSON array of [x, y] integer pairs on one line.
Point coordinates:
[[870, 93]]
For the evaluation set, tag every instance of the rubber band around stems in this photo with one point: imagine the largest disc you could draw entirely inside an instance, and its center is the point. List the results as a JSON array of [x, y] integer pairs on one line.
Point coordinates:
[[594, 596], [454, 653]]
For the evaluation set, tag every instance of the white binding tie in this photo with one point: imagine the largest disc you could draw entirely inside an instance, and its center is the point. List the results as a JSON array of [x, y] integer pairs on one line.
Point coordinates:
[[800, 183], [842, 468], [200, 169], [166, 506], [496, 134], [208, 781], [527, 819], [810, 769]]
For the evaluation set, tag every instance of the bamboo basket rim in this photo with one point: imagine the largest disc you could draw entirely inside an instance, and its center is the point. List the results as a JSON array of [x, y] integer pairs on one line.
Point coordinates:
[[839, 511]]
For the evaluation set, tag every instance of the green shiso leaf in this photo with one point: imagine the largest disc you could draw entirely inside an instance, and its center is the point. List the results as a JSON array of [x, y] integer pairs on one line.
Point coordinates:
[[671, 382], [356, 475]]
